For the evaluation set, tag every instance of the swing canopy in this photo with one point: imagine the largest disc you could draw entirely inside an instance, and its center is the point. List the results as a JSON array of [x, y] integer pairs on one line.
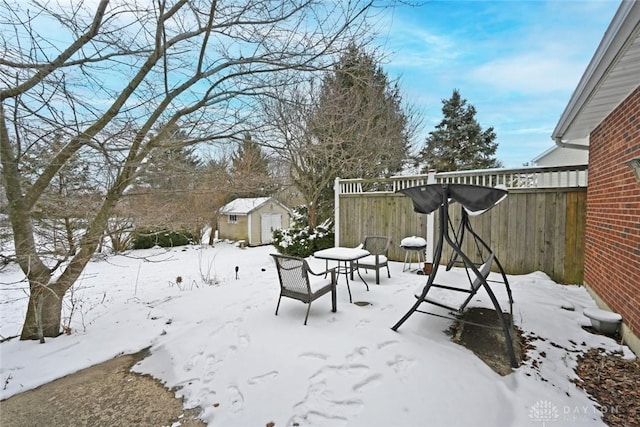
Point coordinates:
[[474, 198]]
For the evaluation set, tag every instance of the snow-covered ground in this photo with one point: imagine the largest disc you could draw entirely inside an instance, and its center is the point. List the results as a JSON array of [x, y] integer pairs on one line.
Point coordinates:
[[215, 338]]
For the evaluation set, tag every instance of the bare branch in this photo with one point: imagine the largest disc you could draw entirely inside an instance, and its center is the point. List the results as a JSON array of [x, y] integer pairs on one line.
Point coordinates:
[[58, 62]]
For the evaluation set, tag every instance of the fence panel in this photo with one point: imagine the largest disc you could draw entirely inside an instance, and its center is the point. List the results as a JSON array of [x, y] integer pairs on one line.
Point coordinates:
[[384, 214], [531, 230]]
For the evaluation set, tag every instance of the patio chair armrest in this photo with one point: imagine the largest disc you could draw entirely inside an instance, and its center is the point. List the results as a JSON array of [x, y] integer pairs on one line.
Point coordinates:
[[322, 273], [333, 271]]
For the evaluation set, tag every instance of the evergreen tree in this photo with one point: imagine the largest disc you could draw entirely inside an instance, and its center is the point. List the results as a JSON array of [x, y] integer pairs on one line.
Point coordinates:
[[173, 165], [357, 129], [163, 198], [360, 117], [458, 142], [250, 170]]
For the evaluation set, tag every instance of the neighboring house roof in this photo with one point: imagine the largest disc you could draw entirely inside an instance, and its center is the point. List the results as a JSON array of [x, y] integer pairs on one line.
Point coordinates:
[[245, 206], [611, 76], [561, 156]]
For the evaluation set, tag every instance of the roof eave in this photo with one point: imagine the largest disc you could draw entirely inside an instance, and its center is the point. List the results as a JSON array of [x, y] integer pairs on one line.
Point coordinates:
[[623, 25]]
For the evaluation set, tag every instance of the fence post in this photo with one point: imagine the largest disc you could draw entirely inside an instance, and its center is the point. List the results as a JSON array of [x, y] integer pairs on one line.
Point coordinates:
[[430, 237], [336, 211]]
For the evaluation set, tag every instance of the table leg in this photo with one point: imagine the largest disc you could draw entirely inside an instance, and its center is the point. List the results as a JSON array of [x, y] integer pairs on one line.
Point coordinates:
[[361, 278], [334, 299], [343, 269], [354, 266]]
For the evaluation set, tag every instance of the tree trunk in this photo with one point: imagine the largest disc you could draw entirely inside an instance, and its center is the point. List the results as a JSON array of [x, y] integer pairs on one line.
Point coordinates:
[[312, 215], [43, 314]]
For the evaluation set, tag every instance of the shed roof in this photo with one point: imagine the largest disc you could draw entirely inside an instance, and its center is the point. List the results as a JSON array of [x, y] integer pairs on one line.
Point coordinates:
[[611, 76], [243, 206]]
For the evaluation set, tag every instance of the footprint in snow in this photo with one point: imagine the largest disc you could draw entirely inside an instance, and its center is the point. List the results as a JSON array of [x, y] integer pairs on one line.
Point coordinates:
[[210, 368], [236, 399], [263, 378]]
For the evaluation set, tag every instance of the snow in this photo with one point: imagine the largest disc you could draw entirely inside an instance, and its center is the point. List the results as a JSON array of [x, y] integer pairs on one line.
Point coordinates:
[[214, 337], [413, 242], [601, 315], [243, 206], [342, 254]]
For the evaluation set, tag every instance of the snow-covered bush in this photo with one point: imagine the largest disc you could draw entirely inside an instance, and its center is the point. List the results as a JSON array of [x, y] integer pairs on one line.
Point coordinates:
[[303, 241]]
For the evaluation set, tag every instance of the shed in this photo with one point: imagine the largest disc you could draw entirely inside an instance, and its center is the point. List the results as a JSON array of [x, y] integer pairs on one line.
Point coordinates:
[[252, 219]]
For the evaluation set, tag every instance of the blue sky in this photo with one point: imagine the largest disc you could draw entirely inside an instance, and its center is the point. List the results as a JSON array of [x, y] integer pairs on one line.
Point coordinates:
[[517, 62]]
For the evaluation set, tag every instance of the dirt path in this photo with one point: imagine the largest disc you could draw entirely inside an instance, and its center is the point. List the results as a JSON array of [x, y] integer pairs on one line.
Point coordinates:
[[106, 395]]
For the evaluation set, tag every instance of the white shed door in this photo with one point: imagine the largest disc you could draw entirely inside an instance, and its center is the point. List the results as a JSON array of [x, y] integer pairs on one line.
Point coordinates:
[[269, 222]]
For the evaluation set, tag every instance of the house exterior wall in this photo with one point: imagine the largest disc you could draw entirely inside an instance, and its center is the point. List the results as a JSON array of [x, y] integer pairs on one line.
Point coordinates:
[[271, 207], [612, 235], [233, 231]]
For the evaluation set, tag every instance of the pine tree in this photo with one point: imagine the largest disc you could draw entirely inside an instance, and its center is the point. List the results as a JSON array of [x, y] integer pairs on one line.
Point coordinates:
[[458, 142], [250, 170], [358, 129], [162, 198], [354, 125], [172, 167], [360, 116]]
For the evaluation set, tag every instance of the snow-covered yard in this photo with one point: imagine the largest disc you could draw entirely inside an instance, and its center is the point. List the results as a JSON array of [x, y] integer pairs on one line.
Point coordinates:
[[221, 346]]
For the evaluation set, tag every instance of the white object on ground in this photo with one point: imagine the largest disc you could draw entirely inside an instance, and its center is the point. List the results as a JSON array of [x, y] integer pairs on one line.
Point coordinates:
[[603, 321]]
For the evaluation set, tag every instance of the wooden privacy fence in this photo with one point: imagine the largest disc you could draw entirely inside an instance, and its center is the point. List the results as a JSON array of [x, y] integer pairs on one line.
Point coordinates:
[[536, 228]]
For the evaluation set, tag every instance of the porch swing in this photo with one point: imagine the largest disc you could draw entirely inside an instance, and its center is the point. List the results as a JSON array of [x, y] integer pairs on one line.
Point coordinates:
[[474, 200]]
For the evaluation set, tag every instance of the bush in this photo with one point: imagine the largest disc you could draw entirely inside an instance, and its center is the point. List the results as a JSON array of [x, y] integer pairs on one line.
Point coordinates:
[[144, 238], [303, 242]]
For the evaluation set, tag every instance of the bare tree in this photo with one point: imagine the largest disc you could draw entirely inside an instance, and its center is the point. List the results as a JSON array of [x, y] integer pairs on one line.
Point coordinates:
[[312, 166], [126, 78], [187, 203], [63, 208]]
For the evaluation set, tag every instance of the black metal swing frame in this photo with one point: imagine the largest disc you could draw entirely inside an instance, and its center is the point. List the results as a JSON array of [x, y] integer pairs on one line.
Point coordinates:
[[472, 198]]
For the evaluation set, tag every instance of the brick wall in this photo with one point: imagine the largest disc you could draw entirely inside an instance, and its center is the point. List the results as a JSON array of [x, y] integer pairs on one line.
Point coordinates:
[[612, 236]]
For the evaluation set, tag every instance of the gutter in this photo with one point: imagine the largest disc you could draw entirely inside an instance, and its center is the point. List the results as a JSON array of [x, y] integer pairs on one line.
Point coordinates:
[[560, 143]]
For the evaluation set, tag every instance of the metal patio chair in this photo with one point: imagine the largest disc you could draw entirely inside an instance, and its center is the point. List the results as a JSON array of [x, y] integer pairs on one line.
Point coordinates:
[[293, 273], [378, 247]]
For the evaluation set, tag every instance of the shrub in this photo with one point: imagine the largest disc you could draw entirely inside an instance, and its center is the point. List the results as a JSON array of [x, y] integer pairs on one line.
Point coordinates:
[[303, 242], [144, 238]]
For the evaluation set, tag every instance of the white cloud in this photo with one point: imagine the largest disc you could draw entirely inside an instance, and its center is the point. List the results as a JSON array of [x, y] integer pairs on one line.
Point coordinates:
[[412, 45], [529, 73]]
